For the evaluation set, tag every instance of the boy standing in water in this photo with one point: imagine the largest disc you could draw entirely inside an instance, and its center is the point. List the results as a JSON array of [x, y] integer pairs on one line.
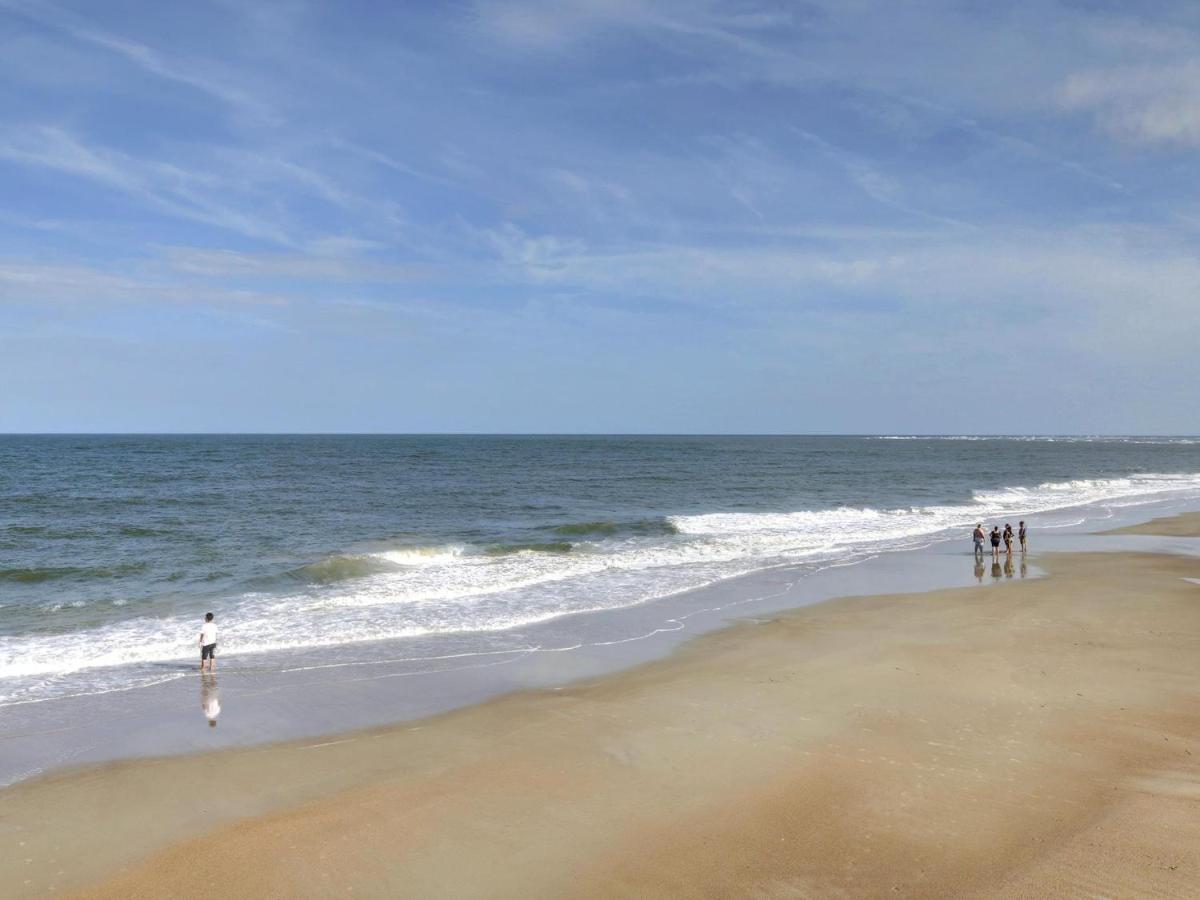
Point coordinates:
[[1021, 535], [208, 642], [977, 536]]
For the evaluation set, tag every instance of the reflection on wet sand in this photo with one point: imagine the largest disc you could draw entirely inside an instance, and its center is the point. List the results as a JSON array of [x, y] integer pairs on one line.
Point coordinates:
[[210, 698], [1005, 569]]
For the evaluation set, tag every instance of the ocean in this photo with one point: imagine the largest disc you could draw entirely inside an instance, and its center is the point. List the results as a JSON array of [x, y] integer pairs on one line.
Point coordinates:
[[339, 550]]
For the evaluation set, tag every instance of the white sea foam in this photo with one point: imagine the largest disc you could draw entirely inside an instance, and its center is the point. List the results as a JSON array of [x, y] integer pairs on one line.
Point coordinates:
[[453, 589], [1084, 491], [422, 556]]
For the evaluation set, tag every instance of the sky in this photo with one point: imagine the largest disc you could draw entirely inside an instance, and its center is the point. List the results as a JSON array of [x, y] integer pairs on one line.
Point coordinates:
[[840, 216]]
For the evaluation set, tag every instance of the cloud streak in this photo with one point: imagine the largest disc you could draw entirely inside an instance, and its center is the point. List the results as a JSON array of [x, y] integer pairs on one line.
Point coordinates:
[[200, 76], [166, 187]]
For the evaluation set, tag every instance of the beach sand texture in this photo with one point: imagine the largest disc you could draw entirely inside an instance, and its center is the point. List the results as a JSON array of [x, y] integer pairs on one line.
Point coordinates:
[[1185, 525], [1032, 739]]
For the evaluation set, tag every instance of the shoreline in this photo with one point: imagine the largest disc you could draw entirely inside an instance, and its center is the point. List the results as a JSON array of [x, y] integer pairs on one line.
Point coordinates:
[[629, 775], [297, 698]]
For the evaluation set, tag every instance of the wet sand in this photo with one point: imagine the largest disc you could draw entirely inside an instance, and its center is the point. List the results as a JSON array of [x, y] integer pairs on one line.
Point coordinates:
[[1185, 525], [1037, 738]]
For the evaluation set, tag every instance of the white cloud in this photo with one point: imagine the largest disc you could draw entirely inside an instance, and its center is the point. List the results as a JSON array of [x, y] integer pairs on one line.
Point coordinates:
[[536, 256], [1147, 104]]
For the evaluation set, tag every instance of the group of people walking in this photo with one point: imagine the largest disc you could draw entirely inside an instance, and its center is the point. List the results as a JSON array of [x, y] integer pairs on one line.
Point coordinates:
[[997, 536]]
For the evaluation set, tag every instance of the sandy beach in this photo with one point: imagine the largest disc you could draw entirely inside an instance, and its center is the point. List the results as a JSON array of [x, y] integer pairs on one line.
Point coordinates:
[[1039, 738]]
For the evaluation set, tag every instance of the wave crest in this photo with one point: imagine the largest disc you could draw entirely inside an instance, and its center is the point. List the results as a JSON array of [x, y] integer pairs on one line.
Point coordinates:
[[602, 528], [543, 547]]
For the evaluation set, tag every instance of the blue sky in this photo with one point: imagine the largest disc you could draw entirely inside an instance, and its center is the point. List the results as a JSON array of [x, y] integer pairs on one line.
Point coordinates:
[[837, 216]]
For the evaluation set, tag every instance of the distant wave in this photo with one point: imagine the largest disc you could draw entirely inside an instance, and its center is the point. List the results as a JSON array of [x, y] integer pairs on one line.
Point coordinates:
[[340, 568], [1081, 491], [54, 573], [536, 547], [346, 567], [607, 529], [140, 531]]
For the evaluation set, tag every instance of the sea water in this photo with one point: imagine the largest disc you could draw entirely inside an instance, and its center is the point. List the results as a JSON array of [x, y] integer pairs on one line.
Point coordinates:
[[341, 550]]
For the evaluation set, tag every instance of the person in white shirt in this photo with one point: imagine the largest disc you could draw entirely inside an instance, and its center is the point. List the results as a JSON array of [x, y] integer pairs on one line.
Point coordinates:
[[208, 642]]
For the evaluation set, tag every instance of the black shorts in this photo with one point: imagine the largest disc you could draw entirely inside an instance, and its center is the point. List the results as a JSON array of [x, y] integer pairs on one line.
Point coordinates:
[[208, 651]]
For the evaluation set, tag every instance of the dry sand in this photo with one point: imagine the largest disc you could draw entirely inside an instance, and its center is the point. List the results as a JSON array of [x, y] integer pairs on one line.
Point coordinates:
[[1031, 739]]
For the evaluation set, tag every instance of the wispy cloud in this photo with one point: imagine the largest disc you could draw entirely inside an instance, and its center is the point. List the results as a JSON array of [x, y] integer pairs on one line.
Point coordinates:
[[1149, 104], [169, 188], [203, 76], [389, 161], [554, 24], [36, 284], [1086, 274], [320, 264], [228, 188], [876, 184]]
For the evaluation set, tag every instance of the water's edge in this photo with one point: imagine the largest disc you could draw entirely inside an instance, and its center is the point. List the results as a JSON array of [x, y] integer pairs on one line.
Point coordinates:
[[309, 701]]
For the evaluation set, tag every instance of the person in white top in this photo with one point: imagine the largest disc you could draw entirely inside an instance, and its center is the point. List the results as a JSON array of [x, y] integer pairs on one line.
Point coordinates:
[[208, 642]]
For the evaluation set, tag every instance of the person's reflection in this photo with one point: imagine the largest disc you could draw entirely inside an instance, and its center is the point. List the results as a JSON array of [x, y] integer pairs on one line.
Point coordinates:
[[996, 568], [979, 569], [1008, 566], [1024, 568], [210, 698]]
